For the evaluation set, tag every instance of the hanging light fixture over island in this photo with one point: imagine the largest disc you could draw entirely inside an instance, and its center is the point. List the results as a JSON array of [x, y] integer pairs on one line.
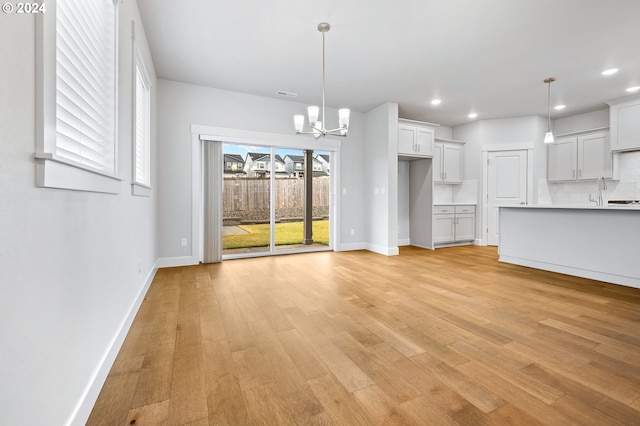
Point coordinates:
[[548, 137], [318, 123]]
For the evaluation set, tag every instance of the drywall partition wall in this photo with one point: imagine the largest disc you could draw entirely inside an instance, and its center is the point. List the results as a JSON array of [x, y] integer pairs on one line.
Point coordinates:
[[183, 105], [381, 170], [73, 265], [404, 228]]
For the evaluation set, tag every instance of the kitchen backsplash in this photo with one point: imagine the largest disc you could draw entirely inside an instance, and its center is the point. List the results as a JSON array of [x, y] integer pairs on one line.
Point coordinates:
[[577, 193], [466, 192]]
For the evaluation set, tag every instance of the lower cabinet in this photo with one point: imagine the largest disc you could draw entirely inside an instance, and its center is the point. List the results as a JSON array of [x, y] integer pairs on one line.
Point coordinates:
[[454, 224]]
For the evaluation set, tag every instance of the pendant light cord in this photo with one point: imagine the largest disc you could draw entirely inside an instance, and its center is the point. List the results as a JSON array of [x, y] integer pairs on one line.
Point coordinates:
[[549, 106]]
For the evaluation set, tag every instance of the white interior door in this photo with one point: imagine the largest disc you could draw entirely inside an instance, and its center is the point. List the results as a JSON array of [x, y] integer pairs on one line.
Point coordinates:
[[506, 184]]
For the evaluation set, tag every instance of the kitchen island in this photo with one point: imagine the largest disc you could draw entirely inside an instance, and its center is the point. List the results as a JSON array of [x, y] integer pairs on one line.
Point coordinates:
[[600, 243]]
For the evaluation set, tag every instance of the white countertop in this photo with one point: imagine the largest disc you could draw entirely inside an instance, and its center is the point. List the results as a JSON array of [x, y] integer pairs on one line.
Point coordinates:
[[633, 207], [455, 204]]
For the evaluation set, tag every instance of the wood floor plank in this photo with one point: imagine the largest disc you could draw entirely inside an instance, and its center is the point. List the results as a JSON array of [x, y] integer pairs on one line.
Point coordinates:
[[188, 401], [152, 414], [385, 377], [380, 409], [450, 336], [250, 368], [337, 402]]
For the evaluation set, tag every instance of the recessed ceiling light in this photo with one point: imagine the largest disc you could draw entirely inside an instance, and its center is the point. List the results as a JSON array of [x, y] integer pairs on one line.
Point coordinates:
[[559, 107], [610, 71], [633, 89], [473, 115], [436, 102]]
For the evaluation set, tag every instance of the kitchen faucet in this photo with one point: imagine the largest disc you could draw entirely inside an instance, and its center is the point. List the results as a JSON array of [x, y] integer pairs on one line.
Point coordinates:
[[602, 186]]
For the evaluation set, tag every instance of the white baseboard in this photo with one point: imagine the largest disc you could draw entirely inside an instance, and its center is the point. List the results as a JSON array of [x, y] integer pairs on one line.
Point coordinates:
[[352, 246], [81, 412], [576, 272], [404, 242], [387, 251], [170, 262]]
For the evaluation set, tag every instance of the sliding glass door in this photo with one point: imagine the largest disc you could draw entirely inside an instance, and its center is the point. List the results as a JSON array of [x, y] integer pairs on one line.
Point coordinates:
[[275, 200], [246, 200]]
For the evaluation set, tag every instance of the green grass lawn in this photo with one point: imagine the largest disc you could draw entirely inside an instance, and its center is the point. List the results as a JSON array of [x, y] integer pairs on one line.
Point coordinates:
[[286, 234]]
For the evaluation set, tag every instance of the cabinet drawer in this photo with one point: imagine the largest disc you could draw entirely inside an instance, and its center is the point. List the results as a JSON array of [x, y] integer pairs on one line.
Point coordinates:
[[465, 209], [443, 210]]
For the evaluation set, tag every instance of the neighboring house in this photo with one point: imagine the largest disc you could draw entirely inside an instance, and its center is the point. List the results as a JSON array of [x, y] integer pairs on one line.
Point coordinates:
[[233, 165], [294, 165], [259, 165], [323, 159]]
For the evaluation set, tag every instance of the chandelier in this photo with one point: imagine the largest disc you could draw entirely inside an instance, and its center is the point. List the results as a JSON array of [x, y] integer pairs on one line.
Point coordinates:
[[318, 126], [548, 137]]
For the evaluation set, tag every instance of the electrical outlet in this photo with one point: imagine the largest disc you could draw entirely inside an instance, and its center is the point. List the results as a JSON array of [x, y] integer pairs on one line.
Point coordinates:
[[353, 231], [183, 242]]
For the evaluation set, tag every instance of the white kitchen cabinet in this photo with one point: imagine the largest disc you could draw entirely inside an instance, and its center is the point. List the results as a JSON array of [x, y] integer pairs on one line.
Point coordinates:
[[624, 122], [580, 157], [415, 139], [454, 224], [447, 161]]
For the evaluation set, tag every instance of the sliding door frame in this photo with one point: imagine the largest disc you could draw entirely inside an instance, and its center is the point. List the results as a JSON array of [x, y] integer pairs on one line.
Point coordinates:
[[200, 133]]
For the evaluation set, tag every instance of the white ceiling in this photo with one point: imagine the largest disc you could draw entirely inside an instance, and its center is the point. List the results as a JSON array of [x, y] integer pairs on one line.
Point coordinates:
[[486, 56]]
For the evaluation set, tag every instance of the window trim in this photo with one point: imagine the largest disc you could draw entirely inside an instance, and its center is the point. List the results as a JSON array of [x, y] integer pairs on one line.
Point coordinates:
[[52, 171], [137, 187]]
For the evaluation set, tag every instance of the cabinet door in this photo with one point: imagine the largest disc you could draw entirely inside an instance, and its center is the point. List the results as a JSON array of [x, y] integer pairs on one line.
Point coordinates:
[[424, 140], [562, 160], [438, 176], [465, 227], [594, 156], [443, 225], [625, 126], [452, 163], [406, 139]]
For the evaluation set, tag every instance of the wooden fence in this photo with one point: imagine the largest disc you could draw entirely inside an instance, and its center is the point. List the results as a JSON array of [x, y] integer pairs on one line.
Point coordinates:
[[252, 194]]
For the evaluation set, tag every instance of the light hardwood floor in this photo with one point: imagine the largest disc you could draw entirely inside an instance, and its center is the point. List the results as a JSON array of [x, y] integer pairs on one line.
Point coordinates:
[[446, 337]]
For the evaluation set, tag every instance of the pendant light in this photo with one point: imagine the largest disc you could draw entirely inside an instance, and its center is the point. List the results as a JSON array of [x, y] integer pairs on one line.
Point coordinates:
[[548, 137], [318, 125]]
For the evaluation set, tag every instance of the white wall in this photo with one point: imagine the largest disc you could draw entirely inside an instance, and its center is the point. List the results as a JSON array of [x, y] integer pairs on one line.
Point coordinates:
[[381, 184], [182, 105], [69, 276]]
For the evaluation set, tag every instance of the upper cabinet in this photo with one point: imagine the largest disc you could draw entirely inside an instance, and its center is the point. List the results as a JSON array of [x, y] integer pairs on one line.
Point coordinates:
[[585, 156], [447, 161], [624, 122], [415, 139]]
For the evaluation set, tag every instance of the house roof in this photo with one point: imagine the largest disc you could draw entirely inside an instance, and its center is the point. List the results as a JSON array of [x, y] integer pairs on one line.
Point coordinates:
[[233, 157], [267, 157], [324, 157]]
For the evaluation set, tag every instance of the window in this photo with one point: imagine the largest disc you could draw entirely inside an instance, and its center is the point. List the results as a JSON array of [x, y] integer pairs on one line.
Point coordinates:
[[142, 137], [77, 67]]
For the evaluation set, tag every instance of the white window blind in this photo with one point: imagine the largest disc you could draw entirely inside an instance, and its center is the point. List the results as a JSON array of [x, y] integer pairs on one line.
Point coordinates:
[[85, 83], [142, 137]]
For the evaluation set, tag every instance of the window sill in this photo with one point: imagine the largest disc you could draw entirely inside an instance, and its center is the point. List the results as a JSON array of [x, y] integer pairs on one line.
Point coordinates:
[[140, 190], [53, 172]]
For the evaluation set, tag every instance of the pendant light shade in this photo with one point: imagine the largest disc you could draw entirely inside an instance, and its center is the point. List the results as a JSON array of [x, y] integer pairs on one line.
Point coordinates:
[[316, 122], [548, 137]]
